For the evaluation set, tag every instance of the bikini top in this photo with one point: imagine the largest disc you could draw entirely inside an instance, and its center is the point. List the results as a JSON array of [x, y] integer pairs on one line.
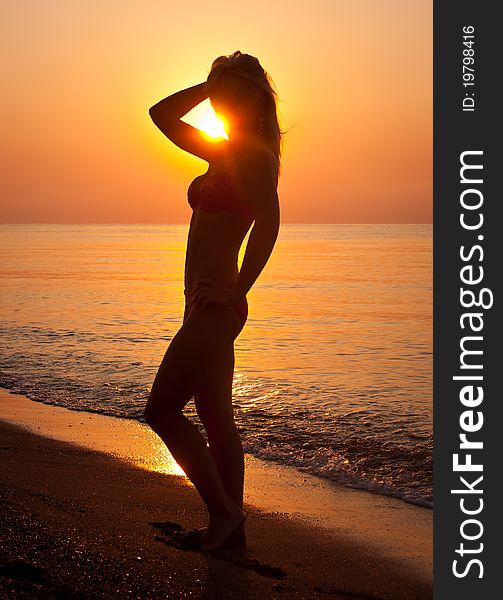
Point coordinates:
[[217, 192]]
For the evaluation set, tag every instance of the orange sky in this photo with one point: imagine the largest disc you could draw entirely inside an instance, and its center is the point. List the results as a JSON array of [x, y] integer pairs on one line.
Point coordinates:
[[78, 146]]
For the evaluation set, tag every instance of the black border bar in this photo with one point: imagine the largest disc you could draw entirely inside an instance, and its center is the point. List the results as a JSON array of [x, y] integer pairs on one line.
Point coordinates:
[[468, 254]]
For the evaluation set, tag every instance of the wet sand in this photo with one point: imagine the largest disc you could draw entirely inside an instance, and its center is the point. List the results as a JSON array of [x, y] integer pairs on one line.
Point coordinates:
[[86, 515]]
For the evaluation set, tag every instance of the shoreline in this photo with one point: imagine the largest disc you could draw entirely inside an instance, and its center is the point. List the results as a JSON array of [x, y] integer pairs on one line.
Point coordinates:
[[102, 475]]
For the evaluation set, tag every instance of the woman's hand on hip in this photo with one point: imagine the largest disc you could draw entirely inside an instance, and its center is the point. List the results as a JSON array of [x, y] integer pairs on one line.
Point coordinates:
[[214, 294]]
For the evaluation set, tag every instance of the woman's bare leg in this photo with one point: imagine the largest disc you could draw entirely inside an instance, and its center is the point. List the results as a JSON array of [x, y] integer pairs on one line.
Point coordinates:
[[190, 451], [214, 407], [192, 358]]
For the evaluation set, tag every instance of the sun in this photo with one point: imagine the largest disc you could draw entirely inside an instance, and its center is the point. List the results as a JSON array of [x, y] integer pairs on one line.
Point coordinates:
[[213, 126]]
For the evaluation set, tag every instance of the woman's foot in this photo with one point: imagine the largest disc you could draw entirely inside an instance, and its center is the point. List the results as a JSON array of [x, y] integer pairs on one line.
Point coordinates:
[[224, 529], [240, 534]]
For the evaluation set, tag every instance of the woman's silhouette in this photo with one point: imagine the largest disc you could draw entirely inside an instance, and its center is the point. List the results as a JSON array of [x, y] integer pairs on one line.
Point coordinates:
[[238, 189]]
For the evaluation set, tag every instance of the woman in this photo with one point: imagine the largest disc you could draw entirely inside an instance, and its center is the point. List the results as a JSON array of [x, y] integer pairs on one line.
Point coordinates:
[[238, 189]]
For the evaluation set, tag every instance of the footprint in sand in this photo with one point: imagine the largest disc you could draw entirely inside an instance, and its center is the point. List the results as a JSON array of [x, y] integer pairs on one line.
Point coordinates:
[[177, 536]]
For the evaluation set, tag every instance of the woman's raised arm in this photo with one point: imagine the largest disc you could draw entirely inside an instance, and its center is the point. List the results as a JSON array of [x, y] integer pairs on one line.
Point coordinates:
[[166, 115], [173, 107]]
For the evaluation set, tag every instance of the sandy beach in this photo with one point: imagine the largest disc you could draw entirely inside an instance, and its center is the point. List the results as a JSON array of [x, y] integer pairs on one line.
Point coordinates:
[[93, 507]]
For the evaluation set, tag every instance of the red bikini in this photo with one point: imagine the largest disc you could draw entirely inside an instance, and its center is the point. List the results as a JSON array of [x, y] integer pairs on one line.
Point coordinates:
[[217, 193]]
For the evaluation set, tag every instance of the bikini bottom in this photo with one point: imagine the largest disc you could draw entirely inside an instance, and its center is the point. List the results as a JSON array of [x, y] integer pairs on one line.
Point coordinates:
[[241, 307]]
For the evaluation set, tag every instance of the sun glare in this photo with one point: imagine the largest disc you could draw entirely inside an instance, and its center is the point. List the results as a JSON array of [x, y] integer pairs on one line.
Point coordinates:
[[204, 117], [212, 125]]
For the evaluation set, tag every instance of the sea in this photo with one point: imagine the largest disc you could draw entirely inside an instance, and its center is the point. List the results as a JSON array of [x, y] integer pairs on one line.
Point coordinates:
[[333, 369]]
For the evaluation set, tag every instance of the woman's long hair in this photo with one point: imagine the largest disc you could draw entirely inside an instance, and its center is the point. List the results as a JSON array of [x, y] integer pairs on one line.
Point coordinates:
[[244, 74]]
